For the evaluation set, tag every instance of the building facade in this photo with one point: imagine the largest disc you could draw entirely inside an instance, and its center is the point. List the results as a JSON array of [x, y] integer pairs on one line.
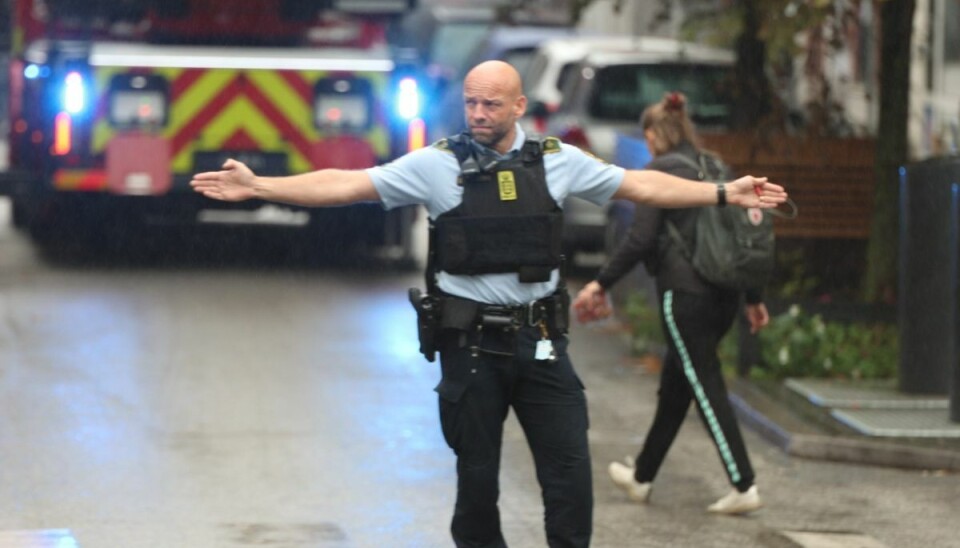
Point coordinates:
[[838, 67]]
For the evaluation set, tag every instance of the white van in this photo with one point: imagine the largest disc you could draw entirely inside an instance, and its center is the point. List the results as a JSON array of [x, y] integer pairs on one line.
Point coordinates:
[[602, 97], [551, 66]]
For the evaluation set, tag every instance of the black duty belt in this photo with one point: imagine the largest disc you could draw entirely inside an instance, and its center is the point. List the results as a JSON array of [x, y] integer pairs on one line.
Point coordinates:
[[525, 315], [462, 313]]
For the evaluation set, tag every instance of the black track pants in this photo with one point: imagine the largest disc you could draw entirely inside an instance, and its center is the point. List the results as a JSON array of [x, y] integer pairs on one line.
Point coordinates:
[[694, 325], [476, 393]]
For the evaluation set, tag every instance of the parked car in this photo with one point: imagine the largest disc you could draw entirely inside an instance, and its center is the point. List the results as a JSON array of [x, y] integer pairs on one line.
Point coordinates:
[[602, 100], [551, 67], [514, 44]]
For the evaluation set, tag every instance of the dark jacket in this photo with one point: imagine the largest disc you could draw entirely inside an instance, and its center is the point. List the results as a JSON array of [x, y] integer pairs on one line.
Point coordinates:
[[648, 240]]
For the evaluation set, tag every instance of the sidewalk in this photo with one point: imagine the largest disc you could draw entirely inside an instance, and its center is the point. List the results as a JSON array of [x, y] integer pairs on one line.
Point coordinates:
[[809, 501], [859, 422], [866, 422]]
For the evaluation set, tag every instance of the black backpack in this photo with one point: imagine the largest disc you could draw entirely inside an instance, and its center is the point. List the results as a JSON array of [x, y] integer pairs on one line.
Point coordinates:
[[733, 247]]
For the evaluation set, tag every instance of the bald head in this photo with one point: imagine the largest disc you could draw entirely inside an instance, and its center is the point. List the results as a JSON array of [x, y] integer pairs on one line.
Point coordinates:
[[493, 101], [494, 75]]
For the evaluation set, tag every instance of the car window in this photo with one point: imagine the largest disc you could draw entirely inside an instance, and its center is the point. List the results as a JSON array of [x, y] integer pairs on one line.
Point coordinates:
[[520, 58], [621, 92], [535, 69], [454, 42], [575, 86], [565, 72]]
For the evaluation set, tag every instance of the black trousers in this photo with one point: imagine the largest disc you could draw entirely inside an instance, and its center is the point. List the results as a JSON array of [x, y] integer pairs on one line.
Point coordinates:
[[476, 392], [694, 325]]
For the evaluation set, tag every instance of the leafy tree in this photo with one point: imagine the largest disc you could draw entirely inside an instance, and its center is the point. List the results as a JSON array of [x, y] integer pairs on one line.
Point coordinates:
[[763, 34], [770, 26], [896, 20]]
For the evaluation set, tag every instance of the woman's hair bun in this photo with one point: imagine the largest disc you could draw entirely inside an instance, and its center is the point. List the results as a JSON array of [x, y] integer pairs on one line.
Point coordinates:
[[674, 101]]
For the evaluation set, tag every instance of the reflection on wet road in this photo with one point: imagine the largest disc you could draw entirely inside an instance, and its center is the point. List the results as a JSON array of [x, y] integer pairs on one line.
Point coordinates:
[[229, 394], [199, 404]]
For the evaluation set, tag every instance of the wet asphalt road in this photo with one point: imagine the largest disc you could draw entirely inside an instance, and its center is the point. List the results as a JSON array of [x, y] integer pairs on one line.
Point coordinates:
[[218, 399]]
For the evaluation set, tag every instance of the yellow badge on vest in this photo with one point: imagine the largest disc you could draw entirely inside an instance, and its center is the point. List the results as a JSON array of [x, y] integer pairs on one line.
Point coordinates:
[[508, 186]]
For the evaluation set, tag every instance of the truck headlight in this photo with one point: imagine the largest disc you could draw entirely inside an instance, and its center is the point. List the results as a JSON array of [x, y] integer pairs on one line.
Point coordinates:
[[138, 100], [343, 103], [136, 108], [341, 111]]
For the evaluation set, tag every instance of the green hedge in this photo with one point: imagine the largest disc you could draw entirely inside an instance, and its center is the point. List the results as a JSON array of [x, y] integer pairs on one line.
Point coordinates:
[[794, 344], [797, 344]]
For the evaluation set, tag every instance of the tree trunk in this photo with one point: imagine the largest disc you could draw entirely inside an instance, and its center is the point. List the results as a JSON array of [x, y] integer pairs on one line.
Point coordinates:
[[752, 101], [896, 20]]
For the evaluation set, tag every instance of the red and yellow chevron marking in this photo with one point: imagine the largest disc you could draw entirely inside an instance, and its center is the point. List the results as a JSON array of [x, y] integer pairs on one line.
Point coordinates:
[[80, 179], [216, 109]]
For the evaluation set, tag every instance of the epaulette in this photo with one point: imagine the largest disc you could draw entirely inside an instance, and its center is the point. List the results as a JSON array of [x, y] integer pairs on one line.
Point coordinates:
[[594, 156], [551, 145], [443, 144]]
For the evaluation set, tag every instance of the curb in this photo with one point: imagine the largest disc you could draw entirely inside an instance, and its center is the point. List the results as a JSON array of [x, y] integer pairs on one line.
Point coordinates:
[[843, 449]]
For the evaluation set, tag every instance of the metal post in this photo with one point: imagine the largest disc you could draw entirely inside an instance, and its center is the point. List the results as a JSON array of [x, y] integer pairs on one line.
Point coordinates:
[[955, 268], [929, 321]]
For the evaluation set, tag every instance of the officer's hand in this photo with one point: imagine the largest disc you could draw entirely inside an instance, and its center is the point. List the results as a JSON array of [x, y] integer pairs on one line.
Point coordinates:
[[234, 183], [758, 316], [591, 303], [753, 191]]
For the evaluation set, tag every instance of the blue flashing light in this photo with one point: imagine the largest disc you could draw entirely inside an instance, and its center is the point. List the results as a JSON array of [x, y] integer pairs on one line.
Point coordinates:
[[31, 72], [408, 99], [74, 94]]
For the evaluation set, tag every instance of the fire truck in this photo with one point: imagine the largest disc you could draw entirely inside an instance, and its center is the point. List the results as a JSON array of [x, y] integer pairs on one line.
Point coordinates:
[[115, 104]]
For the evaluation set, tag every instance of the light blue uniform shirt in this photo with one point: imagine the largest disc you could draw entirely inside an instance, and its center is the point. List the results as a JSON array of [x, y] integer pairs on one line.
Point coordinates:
[[428, 176]]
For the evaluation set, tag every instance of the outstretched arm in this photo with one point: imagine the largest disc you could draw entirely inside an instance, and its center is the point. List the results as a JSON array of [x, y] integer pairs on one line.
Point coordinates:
[[664, 190], [327, 187]]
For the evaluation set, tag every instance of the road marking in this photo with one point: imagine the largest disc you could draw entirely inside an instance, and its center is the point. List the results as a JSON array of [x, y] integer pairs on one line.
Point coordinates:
[[813, 539], [302, 534], [45, 538]]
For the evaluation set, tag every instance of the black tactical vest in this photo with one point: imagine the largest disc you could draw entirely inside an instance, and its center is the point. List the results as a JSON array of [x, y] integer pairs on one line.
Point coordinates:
[[507, 221]]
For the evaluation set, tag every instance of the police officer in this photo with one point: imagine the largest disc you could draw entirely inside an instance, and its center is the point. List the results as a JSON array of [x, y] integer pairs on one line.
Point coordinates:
[[496, 307]]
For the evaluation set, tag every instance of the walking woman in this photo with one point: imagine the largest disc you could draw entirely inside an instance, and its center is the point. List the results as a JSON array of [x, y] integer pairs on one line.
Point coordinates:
[[695, 316]]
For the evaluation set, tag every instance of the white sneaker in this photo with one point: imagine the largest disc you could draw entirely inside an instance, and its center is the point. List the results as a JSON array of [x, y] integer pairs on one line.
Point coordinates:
[[623, 477], [736, 502]]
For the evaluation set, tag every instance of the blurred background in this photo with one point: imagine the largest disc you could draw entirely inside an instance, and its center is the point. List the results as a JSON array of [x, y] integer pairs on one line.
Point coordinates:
[[182, 372], [828, 98]]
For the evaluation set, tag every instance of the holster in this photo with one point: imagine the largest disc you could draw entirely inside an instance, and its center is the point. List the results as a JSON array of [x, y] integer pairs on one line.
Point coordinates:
[[561, 311], [428, 321], [436, 313]]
